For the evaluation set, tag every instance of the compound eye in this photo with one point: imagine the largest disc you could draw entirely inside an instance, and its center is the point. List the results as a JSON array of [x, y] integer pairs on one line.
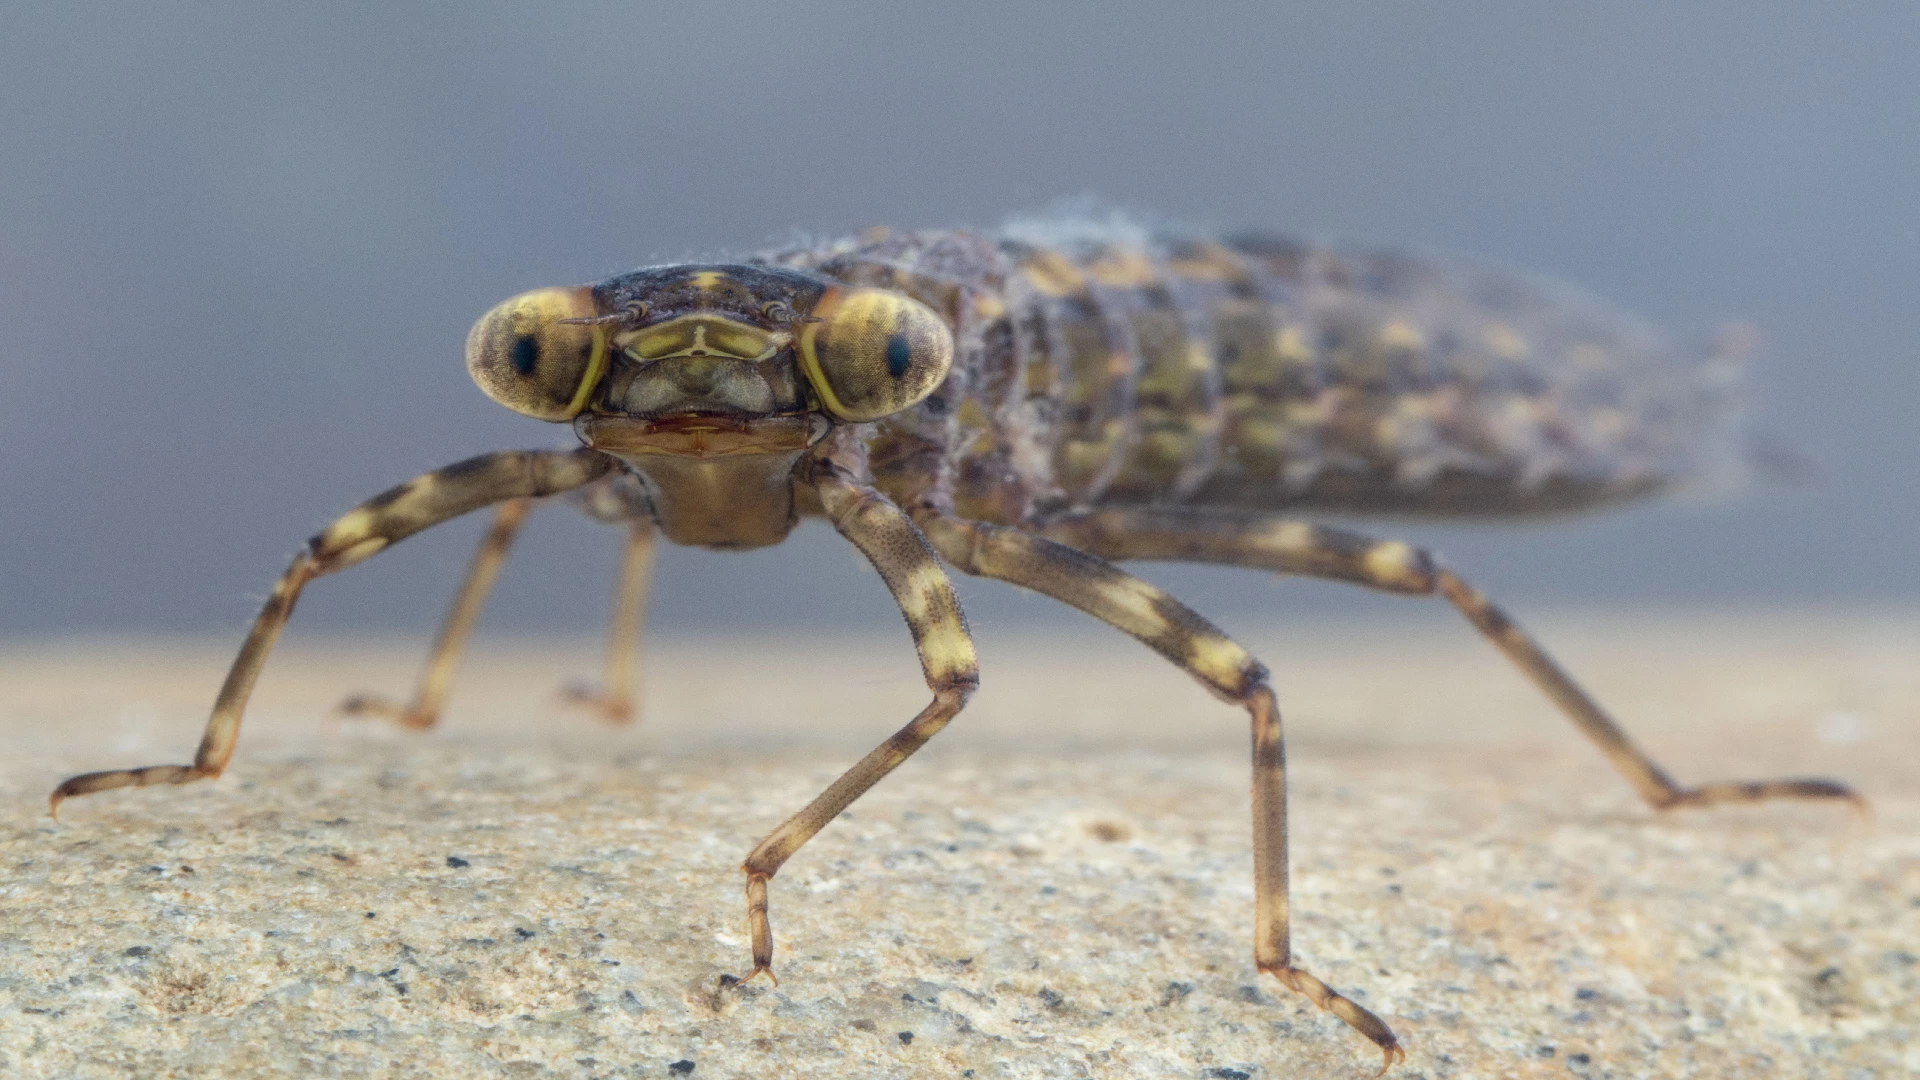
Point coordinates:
[[524, 356], [870, 353]]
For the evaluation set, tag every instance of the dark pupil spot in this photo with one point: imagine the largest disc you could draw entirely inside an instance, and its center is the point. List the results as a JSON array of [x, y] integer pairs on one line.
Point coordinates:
[[899, 351], [526, 355]]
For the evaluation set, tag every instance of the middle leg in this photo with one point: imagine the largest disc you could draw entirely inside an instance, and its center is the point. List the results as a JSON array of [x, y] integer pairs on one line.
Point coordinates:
[[1176, 632]]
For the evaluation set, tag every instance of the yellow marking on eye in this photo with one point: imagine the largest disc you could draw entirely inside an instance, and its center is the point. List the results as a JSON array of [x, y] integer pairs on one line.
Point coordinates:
[[530, 351], [708, 280], [869, 353], [596, 363], [1400, 335], [1505, 342], [810, 365]]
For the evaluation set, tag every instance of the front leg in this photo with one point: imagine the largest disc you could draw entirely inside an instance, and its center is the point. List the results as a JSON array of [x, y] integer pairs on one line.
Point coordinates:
[[363, 532], [884, 534]]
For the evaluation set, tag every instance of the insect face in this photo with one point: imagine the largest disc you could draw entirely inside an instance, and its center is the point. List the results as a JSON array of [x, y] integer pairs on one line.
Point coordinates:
[[705, 362], [645, 358]]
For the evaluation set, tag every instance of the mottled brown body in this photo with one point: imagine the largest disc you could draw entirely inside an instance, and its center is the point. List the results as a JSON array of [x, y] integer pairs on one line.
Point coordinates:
[[1104, 366], [1035, 407]]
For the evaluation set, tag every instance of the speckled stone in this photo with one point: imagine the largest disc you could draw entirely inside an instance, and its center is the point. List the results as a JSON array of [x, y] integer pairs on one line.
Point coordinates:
[[1060, 887]]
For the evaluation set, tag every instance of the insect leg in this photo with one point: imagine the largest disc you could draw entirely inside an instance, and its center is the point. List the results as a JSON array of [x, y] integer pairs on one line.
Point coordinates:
[[437, 678], [1293, 547], [361, 533], [613, 699], [1176, 632], [888, 539]]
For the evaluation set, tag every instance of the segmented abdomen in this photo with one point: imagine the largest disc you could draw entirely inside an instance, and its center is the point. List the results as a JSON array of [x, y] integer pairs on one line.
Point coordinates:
[[1102, 365]]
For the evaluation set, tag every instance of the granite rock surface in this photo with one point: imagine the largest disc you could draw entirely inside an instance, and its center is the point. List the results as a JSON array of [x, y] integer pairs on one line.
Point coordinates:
[[1059, 887]]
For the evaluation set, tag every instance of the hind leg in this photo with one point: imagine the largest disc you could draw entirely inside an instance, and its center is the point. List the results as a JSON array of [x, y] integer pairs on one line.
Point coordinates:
[[613, 699], [1292, 547], [436, 679]]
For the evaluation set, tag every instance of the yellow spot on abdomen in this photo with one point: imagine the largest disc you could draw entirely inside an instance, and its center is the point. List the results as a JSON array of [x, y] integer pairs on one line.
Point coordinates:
[[1400, 335], [1291, 345], [1123, 269], [972, 415], [1053, 275], [1210, 263], [1505, 342]]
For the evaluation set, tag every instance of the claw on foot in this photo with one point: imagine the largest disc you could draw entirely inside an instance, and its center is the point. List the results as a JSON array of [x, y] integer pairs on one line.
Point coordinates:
[[374, 705], [1754, 791], [758, 969], [611, 708], [88, 783], [1351, 1014]]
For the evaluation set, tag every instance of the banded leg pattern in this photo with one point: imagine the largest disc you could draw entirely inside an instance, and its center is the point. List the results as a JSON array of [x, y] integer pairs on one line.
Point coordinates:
[[361, 533], [1294, 547], [436, 679], [1220, 664], [920, 587]]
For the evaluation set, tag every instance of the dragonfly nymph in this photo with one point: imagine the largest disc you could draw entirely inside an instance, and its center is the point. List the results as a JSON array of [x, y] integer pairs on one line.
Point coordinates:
[[1035, 406]]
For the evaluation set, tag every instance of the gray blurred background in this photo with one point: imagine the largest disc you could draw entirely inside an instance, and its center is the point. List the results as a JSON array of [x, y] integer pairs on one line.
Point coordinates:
[[240, 246]]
